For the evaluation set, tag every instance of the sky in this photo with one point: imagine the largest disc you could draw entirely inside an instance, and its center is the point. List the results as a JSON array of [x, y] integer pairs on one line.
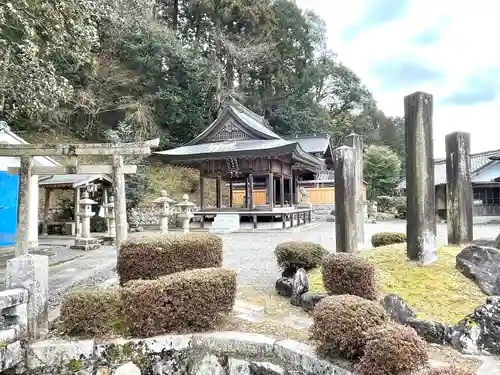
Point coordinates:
[[448, 48]]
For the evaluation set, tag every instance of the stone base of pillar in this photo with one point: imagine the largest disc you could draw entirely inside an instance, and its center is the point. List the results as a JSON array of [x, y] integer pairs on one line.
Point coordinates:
[[33, 244], [109, 240], [87, 244]]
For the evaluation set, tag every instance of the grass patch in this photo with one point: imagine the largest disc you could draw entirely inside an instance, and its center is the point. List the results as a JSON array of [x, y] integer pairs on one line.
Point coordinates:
[[437, 292]]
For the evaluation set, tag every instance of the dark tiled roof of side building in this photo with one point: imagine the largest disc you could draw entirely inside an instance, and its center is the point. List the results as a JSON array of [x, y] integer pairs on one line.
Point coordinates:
[[477, 162]]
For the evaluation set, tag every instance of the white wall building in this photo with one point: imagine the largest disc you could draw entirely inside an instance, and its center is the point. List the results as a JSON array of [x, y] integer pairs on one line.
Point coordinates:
[[9, 186]]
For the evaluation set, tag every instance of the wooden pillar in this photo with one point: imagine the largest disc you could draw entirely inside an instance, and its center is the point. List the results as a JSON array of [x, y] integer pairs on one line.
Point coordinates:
[[76, 209], [282, 191], [231, 192], [202, 192], [120, 202], [23, 212], [245, 200], [270, 189], [105, 200], [250, 192], [46, 210], [218, 189]]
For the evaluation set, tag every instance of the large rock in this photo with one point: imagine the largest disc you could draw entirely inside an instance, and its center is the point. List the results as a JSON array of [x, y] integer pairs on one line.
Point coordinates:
[[284, 286], [397, 308], [310, 299], [433, 332], [300, 286], [479, 332], [482, 265]]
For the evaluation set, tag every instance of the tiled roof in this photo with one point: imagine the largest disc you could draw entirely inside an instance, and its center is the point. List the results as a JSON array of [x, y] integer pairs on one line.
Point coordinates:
[[73, 180], [253, 122], [495, 157], [313, 143], [477, 162]]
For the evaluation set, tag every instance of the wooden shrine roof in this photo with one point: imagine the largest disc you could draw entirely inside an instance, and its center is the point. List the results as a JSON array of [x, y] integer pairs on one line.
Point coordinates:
[[237, 132]]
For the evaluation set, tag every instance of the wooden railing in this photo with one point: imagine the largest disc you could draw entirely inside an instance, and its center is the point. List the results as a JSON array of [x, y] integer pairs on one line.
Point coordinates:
[[486, 210]]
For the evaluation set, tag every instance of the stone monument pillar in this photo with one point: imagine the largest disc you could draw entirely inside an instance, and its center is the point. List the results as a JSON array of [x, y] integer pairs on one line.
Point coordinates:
[[185, 214], [356, 142], [163, 204], [346, 216], [110, 237], [420, 189], [458, 188], [86, 242]]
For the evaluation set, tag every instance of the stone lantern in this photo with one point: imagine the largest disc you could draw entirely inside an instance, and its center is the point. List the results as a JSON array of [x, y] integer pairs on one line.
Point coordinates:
[[185, 214], [85, 242], [163, 205], [111, 221]]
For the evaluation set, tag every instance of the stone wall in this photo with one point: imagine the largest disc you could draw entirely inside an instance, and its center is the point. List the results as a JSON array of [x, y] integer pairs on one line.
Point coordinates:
[[220, 353], [13, 325]]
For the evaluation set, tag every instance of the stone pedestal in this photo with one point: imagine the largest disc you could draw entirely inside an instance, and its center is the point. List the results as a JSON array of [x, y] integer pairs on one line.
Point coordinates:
[[163, 204], [86, 242], [185, 213], [225, 223], [420, 189], [32, 273]]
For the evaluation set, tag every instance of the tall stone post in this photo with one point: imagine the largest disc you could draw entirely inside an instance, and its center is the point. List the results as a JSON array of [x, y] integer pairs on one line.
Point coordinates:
[[346, 237], [23, 213], [356, 141], [120, 202], [31, 272], [458, 188], [420, 189]]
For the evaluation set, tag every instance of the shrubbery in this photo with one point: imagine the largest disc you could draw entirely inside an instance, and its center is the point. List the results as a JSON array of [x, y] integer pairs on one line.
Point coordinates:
[[91, 312], [393, 349], [150, 257], [349, 274], [341, 323], [387, 238], [298, 254], [191, 300], [453, 370], [390, 204]]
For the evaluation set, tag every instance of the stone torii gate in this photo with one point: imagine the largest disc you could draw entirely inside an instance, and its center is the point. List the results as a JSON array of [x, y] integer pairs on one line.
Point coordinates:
[[117, 169]]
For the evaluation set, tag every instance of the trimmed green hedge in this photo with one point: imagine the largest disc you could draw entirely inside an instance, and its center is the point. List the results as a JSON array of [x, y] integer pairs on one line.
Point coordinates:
[[387, 238], [341, 323], [152, 256], [345, 273], [299, 254], [186, 301], [91, 312]]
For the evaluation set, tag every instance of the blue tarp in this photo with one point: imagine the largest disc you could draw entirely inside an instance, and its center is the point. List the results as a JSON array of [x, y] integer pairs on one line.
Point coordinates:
[[9, 190]]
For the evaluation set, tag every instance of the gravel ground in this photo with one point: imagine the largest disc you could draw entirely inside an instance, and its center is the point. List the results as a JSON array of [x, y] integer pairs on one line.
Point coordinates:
[[251, 254]]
